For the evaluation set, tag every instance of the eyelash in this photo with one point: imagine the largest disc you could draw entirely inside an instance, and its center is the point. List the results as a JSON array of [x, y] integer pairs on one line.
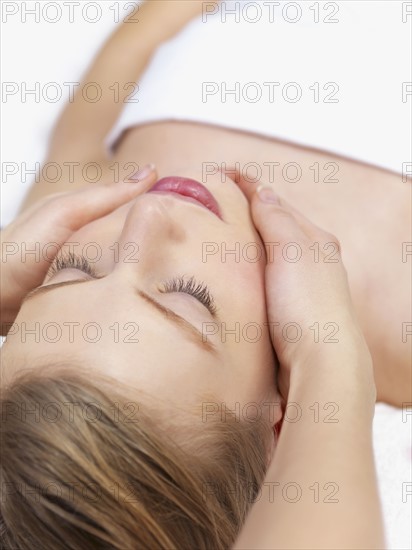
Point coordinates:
[[73, 261], [200, 291], [190, 286]]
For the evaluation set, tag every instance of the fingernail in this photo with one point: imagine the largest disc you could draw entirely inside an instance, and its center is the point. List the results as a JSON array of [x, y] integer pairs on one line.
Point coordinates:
[[266, 194], [141, 174]]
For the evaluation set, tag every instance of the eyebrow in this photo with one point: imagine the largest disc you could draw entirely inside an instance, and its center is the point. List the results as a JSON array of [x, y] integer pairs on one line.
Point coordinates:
[[190, 330]]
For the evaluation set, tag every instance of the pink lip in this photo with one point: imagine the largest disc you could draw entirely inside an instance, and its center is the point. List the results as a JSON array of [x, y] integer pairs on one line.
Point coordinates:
[[191, 189]]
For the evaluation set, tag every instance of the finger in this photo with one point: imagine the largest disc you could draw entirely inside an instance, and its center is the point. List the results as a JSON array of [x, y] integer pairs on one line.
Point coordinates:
[[143, 180], [274, 220], [52, 222], [65, 213], [249, 189], [312, 230]]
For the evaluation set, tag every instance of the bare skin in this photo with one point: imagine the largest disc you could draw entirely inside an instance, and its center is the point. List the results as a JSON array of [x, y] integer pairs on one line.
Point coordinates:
[[352, 209], [367, 208]]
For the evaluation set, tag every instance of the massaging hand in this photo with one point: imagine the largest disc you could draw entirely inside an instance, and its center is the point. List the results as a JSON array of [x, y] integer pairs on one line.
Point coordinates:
[[308, 300], [45, 227]]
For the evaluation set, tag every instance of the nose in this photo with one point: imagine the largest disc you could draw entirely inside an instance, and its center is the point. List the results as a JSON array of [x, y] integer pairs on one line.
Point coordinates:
[[152, 229]]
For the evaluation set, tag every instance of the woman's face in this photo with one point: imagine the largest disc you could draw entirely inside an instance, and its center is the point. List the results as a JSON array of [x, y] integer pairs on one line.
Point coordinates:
[[129, 320]]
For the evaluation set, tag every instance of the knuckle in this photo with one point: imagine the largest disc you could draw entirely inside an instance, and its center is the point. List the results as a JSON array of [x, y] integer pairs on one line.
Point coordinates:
[[335, 241], [53, 200], [330, 238], [281, 212], [57, 205]]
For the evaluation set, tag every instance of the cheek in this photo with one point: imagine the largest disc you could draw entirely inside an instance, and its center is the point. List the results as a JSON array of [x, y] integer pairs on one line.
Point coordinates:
[[242, 261], [248, 319], [250, 280], [98, 241], [254, 378]]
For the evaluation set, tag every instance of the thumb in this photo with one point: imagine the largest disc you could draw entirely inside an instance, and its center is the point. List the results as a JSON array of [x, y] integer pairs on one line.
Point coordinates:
[[61, 214], [274, 218], [272, 215], [53, 220]]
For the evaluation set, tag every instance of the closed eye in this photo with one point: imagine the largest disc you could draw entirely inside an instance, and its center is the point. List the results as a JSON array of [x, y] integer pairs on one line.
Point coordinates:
[[190, 286], [71, 261], [200, 291]]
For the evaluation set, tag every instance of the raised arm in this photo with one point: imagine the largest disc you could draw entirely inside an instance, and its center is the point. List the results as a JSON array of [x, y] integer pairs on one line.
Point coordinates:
[[79, 133], [320, 491], [84, 125]]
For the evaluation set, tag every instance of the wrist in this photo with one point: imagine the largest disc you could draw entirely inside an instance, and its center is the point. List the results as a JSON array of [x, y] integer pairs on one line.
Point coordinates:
[[162, 20], [343, 375]]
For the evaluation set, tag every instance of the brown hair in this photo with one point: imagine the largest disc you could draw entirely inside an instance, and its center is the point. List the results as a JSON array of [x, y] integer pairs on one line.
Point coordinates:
[[79, 470]]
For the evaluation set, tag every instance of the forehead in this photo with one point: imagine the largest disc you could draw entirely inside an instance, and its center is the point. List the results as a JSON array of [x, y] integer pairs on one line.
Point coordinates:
[[131, 341]]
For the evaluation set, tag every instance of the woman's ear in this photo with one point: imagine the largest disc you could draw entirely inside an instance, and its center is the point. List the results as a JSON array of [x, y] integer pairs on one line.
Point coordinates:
[[275, 435], [272, 447], [274, 441], [278, 427]]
